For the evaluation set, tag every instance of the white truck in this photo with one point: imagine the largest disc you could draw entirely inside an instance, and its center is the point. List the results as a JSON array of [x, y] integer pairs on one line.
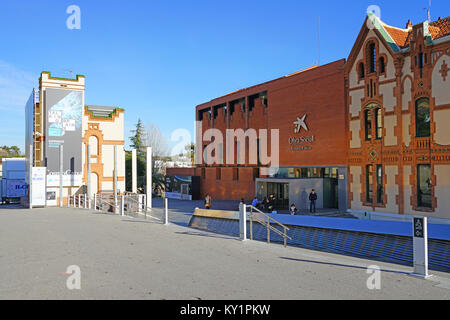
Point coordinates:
[[13, 185]]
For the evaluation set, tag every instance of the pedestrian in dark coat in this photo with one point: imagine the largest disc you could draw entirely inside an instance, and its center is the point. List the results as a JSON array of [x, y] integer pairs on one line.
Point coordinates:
[[312, 200]]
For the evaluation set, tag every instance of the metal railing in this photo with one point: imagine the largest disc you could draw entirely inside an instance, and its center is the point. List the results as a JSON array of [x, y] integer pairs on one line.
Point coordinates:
[[258, 216], [125, 205]]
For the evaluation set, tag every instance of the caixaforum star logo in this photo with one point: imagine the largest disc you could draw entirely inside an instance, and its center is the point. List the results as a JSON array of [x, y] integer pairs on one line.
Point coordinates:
[[300, 123]]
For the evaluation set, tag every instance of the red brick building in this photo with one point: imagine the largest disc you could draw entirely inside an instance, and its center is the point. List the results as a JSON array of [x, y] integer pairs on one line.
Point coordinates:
[[306, 158]]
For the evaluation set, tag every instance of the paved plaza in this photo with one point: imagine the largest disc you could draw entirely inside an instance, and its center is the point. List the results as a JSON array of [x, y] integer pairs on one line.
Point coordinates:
[[129, 258]]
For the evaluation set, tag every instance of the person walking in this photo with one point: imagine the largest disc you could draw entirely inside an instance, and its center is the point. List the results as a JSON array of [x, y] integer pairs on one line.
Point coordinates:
[[208, 202], [312, 200]]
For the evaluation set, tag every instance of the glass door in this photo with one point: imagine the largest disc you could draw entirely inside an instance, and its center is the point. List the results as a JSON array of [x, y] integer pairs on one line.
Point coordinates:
[[281, 194]]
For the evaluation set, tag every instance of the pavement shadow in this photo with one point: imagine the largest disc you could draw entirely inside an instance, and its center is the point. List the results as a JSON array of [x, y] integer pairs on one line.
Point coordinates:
[[342, 265], [209, 235]]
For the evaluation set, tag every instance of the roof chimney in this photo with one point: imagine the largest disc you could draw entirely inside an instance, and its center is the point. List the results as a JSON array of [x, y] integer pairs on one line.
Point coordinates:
[[409, 24]]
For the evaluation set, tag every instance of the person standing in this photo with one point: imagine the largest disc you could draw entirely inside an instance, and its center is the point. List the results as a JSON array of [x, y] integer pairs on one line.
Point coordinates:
[[312, 200], [208, 202]]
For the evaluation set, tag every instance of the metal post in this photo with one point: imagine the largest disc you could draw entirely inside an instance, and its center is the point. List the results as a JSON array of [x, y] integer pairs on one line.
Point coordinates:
[[268, 230], [61, 165], [149, 184], [285, 238], [79, 201], [115, 179], [243, 221], [166, 211], [251, 225], [122, 205], [95, 202], [420, 245], [134, 171], [85, 201], [139, 203], [30, 181], [89, 189]]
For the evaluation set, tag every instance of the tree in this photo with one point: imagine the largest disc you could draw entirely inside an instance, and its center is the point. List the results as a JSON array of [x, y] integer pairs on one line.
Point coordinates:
[[140, 140], [12, 152], [190, 150]]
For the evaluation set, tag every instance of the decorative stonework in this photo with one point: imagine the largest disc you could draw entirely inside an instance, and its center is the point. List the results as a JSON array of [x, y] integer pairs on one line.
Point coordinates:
[[444, 71]]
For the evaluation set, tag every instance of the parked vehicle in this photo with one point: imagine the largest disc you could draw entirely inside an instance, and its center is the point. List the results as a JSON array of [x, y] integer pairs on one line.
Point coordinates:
[[13, 185]]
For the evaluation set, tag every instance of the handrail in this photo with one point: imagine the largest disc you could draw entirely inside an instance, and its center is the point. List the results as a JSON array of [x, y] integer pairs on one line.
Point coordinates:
[[267, 216], [267, 224]]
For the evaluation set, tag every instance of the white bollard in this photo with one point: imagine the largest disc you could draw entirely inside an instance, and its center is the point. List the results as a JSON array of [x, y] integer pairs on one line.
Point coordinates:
[[79, 201], [420, 245], [166, 211], [85, 201], [243, 222], [122, 205], [95, 202], [139, 203]]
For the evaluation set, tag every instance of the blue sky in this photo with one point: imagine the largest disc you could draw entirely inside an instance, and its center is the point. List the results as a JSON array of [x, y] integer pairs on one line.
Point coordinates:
[[159, 59]]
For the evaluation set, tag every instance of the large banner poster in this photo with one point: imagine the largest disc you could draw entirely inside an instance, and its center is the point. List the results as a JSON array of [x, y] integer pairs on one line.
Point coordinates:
[[38, 191], [64, 112]]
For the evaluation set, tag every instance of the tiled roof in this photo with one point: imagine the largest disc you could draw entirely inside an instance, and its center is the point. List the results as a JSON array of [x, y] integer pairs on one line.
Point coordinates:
[[440, 28], [402, 37]]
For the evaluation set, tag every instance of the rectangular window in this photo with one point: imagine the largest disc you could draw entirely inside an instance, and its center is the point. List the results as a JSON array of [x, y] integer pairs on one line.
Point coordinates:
[[378, 123], [423, 118], [380, 191], [424, 187], [368, 124], [369, 183]]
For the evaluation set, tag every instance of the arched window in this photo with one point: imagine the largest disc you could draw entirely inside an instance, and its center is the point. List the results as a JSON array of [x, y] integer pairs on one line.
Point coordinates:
[[423, 117], [93, 145], [372, 55], [361, 71], [368, 123], [382, 65], [378, 123]]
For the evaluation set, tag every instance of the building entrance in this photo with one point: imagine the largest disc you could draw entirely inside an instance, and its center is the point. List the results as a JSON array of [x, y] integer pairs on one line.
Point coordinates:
[[280, 192]]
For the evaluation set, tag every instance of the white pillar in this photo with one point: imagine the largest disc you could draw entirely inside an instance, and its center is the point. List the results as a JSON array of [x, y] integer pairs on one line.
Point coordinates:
[[420, 245], [89, 189], [122, 205], [115, 179], [166, 211], [61, 169], [149, 184], [242, 222], [140, 196], [134, 171], [30, 177]]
